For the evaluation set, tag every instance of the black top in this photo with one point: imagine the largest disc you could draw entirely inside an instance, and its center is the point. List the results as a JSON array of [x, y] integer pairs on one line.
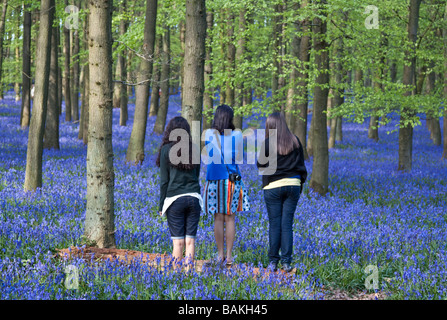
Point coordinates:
[[287, 166], [174, 181]]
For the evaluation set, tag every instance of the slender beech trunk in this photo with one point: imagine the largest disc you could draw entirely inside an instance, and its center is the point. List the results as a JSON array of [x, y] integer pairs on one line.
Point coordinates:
[[67, 82], [124, 99], [135, 150], [277, 57], [155, 94], [83, 125], [435, 126], [406, 131], [194, 61], [292, 86], [75, 78], [26, 69], [319, 180], [51, 135], [164, 86], [33, 172], [4, 7], [100, 216], [17, 52], [231, 60], [182, 28], [337, 99], [300, 128], [208, 94], [59, 73], [239, 86]]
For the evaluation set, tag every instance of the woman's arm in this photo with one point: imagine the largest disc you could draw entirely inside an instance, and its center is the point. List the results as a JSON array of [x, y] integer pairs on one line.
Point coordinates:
[[164, 176]]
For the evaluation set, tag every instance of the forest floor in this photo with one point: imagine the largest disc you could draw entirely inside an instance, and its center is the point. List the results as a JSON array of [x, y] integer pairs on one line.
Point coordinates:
[[160, 260]]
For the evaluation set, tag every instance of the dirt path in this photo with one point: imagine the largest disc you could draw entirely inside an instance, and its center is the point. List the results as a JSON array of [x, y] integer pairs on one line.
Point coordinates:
[[160, 260]]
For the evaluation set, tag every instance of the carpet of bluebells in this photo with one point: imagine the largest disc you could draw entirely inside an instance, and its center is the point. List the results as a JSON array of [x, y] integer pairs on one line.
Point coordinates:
[[373, 215]]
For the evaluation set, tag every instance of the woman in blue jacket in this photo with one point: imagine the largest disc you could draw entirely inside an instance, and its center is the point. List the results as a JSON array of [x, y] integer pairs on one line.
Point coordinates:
[[225, 193]]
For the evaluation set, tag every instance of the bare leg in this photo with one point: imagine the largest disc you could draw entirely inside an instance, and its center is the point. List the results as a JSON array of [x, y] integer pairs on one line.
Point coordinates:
[[177, 252], [219, 220], [189, 252], [230, 232]]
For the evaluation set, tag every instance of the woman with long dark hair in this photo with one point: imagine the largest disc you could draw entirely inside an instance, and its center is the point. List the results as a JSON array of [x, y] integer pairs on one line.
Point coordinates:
[[282, 187], [180, 198], [225, 193]]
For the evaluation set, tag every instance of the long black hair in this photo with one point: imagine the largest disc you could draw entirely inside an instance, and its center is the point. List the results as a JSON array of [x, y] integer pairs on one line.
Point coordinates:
[[223, 118], [286, 140], [177, 123]]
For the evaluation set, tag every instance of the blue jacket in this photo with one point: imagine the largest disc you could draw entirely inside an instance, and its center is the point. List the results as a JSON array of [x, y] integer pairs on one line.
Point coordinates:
[[232, 146]]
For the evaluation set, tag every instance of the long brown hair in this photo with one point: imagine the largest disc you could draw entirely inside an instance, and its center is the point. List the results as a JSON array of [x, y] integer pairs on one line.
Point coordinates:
[[286, 140]]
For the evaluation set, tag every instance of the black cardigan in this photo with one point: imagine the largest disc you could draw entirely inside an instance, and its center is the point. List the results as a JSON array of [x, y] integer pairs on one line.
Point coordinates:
[[174, 181], [287, 166]]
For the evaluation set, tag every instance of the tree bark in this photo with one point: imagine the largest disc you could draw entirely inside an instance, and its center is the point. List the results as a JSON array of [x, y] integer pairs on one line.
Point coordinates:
[[337, 100], [51, 135], [319, 180], [75, 78], [99, 217], [194, 60], [4, 5], [231, 59], [435, 127], [164, 86], [33, 172], [300, 128], [26, 69], [406, 130], [135, 150], [208, 94], [239, 86], [67, 84], [155, 94]]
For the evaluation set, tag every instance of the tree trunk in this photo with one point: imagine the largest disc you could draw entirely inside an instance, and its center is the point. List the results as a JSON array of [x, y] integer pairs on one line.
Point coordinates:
[[26, 69], [99, 216], [231, 59], [135, 150], [83, 125], [292, 87], [208, 94], [4, 5], [277, 58], [124, 99], [67, 84], [60, 83], [155, 94], [406, 131], [75, 78], [337, 100], [435, 127], [164, 86], [319, 180], [51, 135], [33, 173], [239, 86], [300, 128], [193, 85], [182, 68], [17, 52]]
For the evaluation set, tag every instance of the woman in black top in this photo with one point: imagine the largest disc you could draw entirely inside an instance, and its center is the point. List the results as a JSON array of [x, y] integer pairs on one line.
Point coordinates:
[[284, 174], [180, 197]]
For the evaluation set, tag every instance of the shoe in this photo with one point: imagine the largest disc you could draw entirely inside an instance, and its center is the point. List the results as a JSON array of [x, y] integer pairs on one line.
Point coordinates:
[[287, 267], [273, 266]]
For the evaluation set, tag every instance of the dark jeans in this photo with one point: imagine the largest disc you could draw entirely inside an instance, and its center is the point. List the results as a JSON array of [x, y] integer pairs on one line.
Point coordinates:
[[183, 217], [281, 204]]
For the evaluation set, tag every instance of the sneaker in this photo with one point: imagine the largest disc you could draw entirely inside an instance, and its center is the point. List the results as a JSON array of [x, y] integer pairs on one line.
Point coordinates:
[[273, 266], [287, 267]]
